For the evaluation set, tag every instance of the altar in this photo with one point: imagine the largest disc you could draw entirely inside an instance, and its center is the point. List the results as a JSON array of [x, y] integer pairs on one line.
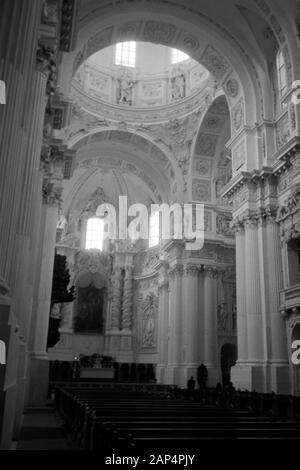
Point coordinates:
[[97, 373]]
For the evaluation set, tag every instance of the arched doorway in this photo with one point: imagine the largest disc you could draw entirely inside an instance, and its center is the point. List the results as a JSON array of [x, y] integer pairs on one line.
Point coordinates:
[[228, 360]]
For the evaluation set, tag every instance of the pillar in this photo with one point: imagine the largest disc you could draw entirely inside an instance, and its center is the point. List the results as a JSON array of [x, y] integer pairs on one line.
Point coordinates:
[[39, 364], [242, 340], [279, 366], [163, 323], [210, 325], [190, 324], [175, 332], [19, 28]]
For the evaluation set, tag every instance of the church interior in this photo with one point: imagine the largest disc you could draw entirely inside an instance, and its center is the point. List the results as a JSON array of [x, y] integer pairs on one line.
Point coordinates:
[[155, 105]]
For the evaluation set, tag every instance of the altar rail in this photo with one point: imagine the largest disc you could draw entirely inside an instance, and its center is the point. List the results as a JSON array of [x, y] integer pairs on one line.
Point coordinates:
[[116, 386]]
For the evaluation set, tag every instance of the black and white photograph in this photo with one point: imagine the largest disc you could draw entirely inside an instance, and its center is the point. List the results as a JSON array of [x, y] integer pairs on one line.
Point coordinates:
[[149, 229]]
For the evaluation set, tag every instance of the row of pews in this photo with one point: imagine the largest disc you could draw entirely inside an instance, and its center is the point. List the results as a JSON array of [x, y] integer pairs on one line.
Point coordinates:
[[132, 422]]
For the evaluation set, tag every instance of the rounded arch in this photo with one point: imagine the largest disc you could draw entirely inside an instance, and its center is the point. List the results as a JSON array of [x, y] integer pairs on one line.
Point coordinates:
[[200, 35], [210, 163], [129, 152]]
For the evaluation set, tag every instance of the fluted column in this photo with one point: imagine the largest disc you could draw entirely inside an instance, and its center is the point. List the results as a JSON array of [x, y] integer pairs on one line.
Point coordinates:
[[210, 324], [18, 39], [253, 293], [41, 307], [279, 373], [175, 332], [19, 25], [241, 288], [127, 299], [190, 323], [163, 323]]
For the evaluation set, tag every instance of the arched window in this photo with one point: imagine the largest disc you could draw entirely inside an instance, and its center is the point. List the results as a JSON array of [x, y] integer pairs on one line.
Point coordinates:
[[94, 233], [281, 73], [178, 56], [125, 53], [154, 229]]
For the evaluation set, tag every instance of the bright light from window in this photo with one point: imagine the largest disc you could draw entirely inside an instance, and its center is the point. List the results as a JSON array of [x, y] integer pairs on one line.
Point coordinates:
[[94, 233], [154, 229], [281, 73], [178, 56], [125, 53]]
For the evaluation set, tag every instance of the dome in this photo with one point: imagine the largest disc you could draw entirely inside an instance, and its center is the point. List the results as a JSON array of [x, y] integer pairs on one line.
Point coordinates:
[[148, 76]]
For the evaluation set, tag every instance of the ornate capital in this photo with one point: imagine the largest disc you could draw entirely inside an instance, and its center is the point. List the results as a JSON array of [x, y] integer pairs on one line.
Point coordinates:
[[191, 270], [46, 64], [211, 272], [237, 226], [176, 271]]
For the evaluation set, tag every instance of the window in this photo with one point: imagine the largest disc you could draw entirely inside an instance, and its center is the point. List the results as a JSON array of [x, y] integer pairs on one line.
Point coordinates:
[[125, 53], [154, 229], [94, 233], [178, 56], [281, 73]]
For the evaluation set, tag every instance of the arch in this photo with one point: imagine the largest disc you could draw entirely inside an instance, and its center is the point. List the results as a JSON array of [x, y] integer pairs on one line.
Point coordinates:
[[133, 152], [228, 358], [210, 161], [175, 25]]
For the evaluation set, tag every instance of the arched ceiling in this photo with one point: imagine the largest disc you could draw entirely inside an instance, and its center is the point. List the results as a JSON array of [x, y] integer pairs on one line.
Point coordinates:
[[220, 38], [128, 162], [210, 167]]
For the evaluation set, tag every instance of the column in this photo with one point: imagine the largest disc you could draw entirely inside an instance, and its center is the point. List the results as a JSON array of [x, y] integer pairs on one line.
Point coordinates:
[[28, 221], [242, 340], [163, 323], [253, 376], [39, 364], [279, 380], [127, 299], [117, 298], [190, 324], [114, 333], [19, 24], [210, 325], [175, 332], [126, 353]]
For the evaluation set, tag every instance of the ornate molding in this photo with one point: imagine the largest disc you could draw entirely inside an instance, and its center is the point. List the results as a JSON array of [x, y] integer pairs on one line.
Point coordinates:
[[192, 270], [176, 271], [211, 272]]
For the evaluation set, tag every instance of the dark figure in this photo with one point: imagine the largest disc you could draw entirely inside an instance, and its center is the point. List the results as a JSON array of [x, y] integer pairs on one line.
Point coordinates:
[[191, 384], [202, 376]]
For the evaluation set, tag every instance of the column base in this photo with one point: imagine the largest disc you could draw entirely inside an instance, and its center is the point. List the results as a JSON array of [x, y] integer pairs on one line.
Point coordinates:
[[263, 378], [39, 380], [249, 377], [280, 378]]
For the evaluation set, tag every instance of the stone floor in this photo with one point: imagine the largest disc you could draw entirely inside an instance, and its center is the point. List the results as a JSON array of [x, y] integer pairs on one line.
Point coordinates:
[[43, 430]]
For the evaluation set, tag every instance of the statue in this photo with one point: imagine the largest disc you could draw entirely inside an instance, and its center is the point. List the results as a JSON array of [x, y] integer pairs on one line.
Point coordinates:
[[125, 88], [178, 86]]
